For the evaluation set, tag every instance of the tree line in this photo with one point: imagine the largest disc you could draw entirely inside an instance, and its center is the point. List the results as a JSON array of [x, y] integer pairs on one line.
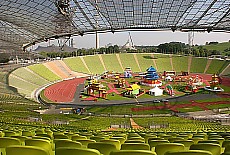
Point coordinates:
[[164, 48]]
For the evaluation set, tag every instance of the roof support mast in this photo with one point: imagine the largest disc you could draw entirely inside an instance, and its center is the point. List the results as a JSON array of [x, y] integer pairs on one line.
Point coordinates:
[[97, 36]]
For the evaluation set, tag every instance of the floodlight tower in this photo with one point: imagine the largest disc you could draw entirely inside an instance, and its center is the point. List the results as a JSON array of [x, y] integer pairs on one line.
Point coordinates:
[[96, 18], [190, 40]]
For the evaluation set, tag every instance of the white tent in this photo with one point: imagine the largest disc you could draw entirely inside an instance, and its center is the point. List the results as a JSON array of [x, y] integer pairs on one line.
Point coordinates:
[[168, 78], [156, 91]]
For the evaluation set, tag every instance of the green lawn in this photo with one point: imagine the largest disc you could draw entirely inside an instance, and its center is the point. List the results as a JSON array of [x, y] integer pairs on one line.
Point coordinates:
[[219, 47], [217, 106], [189, 109]]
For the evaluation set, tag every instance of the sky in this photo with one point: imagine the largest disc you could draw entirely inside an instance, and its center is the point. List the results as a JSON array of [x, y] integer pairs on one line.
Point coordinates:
[[145, 38]]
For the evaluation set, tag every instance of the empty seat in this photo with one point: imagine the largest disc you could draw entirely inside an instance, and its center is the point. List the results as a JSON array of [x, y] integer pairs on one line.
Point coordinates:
[[7, 141], [103, 147], [45, 144], [121, 139], [227, 149], [134, 141], [67, 143], [60, 136], [133, 152], [209, 141], [189, 152], [76, 151], [85, 142], [135, 146], [25, 150], [225, 143], [77, 137], [171, 140], [161, 149], [27, 133], [215, 149], [9, 133], [113, 141], [187, 143], [153, 143], [97, 138]]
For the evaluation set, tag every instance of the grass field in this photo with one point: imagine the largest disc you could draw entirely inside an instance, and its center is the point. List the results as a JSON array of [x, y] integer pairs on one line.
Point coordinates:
[[219, 47]]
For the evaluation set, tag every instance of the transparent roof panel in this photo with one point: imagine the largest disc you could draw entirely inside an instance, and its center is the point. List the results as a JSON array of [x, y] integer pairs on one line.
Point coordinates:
[[25, 22]]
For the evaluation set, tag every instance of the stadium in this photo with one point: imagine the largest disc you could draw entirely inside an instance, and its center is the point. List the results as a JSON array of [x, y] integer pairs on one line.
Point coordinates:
[[132, 101]]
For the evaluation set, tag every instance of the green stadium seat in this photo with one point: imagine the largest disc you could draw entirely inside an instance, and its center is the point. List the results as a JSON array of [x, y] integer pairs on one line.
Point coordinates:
[[113, 141], [44, 135], [134, 141], [133, 152], [21, 138], [209, 141], [76, 151], [45, 144], [27, 133], [25, 150], [147, 137], [8, 141], [85, 142], [189, 152], [67, 143], [162, 148], [103, 147], [225, 143], [40, 131], [88, 135], [157, 138], [121, 139], [227, 149], [9, 133], [41, 137], [196, 139], [171, 140], [97, 138], [61, 136], [77, 137], [136, 138], [220, 140], [215, 149], [187, 143], [135, 146], [154, 143]]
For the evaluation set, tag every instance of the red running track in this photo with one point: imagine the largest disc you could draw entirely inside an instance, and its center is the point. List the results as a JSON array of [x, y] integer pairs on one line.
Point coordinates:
[[63, 91]]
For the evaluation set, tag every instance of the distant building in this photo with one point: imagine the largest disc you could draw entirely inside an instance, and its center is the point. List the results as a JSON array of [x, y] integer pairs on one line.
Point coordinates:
[[54, 48]]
